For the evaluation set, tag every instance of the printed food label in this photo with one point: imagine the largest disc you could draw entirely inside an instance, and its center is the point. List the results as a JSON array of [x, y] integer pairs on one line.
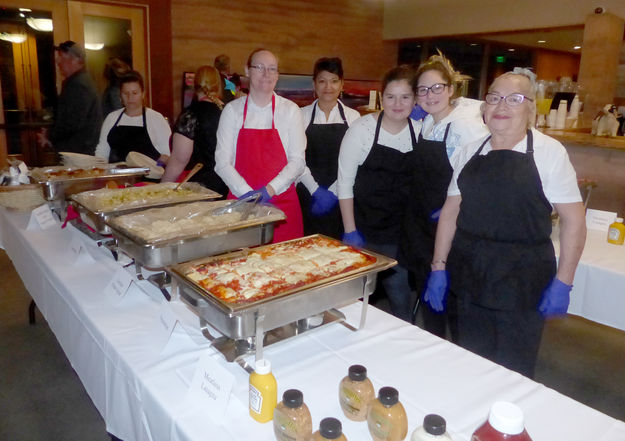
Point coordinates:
[[256, 399], [284, 427]]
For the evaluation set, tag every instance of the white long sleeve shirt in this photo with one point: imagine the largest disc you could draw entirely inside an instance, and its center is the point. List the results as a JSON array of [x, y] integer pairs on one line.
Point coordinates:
[[334, 117], [290, 126], [357, 144], [158, 130]]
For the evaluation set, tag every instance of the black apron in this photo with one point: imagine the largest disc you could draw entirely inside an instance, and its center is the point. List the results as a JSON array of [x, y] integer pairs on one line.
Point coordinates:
[[126, 139], [322, 159], [502, 257], [381, 190], [428, 191]]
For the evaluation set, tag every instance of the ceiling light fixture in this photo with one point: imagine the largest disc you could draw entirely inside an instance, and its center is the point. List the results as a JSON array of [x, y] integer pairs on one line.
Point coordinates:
[[542, 41], [511, 50], [94, 46], [577, 47], [13, 38], [25, 10], [40, 24]]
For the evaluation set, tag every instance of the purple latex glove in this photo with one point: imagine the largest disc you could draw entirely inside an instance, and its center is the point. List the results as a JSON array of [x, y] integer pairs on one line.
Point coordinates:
[[323, 201], [354, 238], [264, 196], [436, 290], [555, 299]]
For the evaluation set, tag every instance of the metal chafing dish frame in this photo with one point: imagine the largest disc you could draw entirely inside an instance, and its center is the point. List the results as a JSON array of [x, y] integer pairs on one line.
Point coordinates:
[[98, 219], [58, 189], [256, 321], [161, 254]]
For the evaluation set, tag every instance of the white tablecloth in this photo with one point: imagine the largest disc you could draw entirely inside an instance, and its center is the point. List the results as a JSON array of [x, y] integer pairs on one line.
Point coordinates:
[[142, 394], [599, 287]]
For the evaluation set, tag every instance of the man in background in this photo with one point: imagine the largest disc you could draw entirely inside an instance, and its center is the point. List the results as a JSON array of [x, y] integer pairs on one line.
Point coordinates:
[[78, 116]]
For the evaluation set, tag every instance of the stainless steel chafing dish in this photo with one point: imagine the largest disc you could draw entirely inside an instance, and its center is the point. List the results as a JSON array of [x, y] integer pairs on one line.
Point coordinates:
[[256, 229], [58, 188], [248, 321], [91, 212]]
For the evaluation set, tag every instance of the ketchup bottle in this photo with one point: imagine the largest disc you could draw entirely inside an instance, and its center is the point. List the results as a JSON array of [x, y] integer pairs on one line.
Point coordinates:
[[505, 422]]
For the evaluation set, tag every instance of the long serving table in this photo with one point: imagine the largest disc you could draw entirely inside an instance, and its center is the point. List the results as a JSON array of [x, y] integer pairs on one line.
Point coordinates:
[[141, 391], [599, 287]]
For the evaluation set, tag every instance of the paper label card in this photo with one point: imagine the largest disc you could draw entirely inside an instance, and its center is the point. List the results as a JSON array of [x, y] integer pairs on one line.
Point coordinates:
[[211, 388], [42, 218], [599, 219], [163, 327], [118, 287]]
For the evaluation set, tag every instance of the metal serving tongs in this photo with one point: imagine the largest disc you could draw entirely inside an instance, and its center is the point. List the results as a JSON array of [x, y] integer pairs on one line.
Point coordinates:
[[193, 171], [250, 200]]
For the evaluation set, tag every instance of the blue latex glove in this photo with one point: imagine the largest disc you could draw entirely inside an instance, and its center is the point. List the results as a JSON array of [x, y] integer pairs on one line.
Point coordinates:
[[354, 238], [555, 299], [436, 290], [264, 196], [323, 201], [418, 113]]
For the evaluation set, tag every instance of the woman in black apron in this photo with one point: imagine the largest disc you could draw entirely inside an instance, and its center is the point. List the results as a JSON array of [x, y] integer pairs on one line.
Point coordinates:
[[451, 122], [494, 232], [195, 133], [375, 169], [328, 120], [135, 128]]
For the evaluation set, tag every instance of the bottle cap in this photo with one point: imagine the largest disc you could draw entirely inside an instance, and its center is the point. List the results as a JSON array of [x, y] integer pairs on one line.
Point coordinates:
[[388, 396], [293, 398], [357, 372], [330, 428], [262, 367], [434, 424], [506, 418]]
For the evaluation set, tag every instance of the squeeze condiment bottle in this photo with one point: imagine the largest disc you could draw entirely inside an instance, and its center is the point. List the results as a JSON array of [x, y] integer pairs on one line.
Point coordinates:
[[329, 429], [616, 232], [386, 417], [505, 422], [263, 392], [355, 393], [433, 429], [291, 418]]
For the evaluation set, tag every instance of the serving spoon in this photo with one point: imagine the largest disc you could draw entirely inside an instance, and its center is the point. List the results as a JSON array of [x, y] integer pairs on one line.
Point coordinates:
[[193, 171]]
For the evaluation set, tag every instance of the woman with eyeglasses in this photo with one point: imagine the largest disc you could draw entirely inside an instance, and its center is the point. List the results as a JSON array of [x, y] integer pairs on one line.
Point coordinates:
[[493, 239], [328, 119], [261, 144], [375, 169], [452, 121]]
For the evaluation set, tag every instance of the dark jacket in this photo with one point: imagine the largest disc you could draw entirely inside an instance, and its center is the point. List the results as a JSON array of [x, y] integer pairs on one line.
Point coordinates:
[[78, 117]]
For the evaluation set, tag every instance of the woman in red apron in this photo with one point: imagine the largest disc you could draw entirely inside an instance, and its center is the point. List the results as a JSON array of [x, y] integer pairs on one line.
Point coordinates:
[[261, 144]]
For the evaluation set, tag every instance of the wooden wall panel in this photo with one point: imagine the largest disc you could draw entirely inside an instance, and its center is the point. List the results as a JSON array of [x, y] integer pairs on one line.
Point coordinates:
[[297, 31], [551, 65]]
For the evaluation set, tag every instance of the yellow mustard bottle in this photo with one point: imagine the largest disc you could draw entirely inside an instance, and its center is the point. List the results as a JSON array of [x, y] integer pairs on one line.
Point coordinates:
[[329, 429], [355, 393], [616, 232], [386, 417], [263, 392]]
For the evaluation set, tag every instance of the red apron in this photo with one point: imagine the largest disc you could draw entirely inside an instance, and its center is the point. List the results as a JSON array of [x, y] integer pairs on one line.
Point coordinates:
[[260, 157]]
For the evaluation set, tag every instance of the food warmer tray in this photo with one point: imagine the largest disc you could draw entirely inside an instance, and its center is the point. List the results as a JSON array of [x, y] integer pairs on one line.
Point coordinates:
[[97, 219], [162, 253], [245, 321], [55, 189]]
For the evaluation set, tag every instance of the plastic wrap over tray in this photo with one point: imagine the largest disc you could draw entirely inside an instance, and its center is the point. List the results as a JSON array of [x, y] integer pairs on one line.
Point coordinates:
[[58, 182], [164, 236], [239, 320], [98, 206]]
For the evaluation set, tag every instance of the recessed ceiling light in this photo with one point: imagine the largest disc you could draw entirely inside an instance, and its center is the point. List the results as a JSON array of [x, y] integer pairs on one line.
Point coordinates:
[[577, 47], [22, 15], [542, 41], [511, 50], [25, 10], [472, 44]]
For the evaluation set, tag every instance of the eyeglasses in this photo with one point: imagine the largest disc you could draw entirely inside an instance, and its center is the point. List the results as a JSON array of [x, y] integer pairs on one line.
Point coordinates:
[[514, 99], [435, 88], [271, 70]]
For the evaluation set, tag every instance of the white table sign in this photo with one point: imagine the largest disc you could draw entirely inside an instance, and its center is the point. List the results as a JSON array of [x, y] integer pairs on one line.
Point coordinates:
[[42, 218], [78, 251], [211, 388], [599, 219], [118, 287], [163, 327]]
